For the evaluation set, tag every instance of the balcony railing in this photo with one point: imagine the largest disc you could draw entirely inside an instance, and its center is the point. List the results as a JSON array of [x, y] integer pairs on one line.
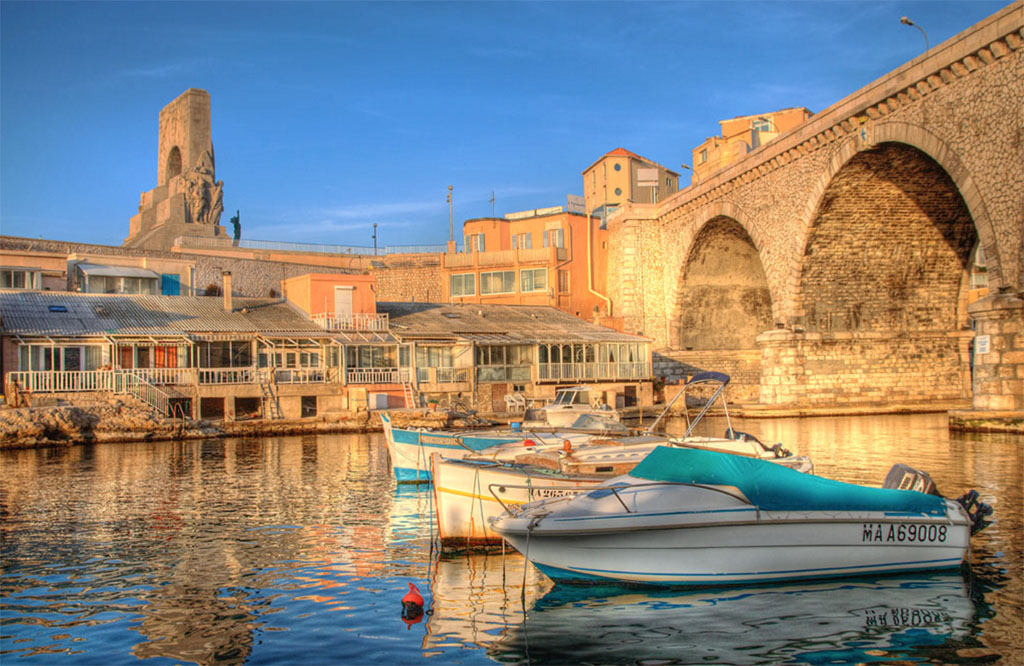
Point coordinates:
[[442, 375], [166, 376], [68, 381], [505, 257], [639, 370], [300, 375], [376, 375], [245, 375], [358, 321]]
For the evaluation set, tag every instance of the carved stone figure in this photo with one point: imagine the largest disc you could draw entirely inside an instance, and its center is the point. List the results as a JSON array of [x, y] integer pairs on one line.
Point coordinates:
[[204, 197]]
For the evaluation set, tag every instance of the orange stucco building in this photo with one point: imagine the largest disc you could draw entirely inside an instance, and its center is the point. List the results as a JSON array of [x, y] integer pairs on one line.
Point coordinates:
[[740, 135], [332, 294], [541, 257]]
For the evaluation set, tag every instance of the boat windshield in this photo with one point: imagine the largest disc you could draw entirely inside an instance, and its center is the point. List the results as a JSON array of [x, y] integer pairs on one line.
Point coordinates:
[[572, 397], [599, 423]]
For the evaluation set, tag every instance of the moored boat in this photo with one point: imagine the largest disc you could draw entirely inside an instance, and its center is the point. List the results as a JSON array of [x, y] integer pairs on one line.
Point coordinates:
[[569, 404], [693, 517], [410, 448]]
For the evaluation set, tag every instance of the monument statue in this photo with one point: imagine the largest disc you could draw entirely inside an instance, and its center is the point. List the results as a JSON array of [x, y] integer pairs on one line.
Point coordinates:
[[237, 224], [188, 200]]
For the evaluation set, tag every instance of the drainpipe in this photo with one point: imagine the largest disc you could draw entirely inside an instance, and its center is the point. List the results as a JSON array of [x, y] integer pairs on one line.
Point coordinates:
[[590, 262]]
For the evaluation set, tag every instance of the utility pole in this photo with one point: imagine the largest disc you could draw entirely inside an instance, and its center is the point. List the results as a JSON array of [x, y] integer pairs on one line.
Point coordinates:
[[451, 216]]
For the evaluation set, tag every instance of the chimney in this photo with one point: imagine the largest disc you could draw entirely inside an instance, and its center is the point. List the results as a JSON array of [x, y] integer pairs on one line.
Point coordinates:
[[227, 291]]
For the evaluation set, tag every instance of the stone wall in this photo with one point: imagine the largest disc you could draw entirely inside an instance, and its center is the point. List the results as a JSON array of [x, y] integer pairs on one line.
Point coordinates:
[[416, 279], [742, 366], [850, 369]]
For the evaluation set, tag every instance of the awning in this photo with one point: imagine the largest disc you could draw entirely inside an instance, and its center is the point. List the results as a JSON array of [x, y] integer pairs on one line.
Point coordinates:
[[97, 270]]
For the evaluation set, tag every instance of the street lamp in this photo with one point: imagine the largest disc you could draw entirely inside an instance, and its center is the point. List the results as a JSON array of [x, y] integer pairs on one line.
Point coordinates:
[[690, 169], [906, 21]]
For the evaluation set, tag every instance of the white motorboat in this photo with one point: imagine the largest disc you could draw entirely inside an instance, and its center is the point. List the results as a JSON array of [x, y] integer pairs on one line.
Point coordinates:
[[693, 517], [569, 404], [409, 449]]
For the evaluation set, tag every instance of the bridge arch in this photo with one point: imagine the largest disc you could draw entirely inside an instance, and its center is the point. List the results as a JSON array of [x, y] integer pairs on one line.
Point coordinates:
[[870, 138], [722, 294]]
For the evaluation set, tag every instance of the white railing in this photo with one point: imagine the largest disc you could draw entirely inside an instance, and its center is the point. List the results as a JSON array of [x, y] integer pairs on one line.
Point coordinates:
[[166, 376], [639, 370], [66, 381], [144, 391], [442, 375], [376, 375], [504, 257], [353, 322], [300, 375], [78, 381], [246, 375]]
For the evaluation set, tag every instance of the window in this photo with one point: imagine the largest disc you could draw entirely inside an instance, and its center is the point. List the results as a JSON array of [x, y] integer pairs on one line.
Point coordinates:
[[463, 284], [618, 167], [475, 243], [370, 356], [522, 241], [533, 279], [703, 156], [233, 354], [498, 282], [761, 125], [618, 191], [13, 278], [554, 237], [49, 358], [563, 282], [503, 363]]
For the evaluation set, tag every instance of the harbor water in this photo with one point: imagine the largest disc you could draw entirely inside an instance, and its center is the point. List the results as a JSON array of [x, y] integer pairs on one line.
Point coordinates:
[[285, 550]]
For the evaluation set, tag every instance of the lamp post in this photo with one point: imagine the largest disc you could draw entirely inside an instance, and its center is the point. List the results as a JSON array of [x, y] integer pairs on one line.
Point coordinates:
[[905, 21], [690, 169], [375, 239]]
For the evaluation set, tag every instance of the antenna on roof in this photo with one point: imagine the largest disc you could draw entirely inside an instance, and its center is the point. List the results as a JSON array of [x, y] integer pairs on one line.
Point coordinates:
[[492, 203]]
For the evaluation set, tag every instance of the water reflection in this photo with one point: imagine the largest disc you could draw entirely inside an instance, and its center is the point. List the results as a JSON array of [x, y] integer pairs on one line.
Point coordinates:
[[851, 621], [256, 551]]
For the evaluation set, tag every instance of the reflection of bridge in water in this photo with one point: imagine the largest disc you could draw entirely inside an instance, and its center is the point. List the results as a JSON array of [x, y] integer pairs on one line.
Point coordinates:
[[833, 265]]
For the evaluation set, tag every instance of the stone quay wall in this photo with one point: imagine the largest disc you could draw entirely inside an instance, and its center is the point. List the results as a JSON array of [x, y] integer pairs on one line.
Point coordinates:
[[416, 279]]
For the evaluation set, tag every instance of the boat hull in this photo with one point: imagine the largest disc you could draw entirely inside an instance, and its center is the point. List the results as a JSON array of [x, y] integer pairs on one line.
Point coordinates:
[[768, 548], [465, 503], [410, 449]]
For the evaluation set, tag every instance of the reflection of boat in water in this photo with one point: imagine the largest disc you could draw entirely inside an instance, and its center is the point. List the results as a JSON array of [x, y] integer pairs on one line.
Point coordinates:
[[475, 598], [851, 621]]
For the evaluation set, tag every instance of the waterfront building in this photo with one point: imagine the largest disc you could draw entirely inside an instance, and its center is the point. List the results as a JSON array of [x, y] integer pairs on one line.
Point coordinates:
[[741, 135], [548, 256], [327, 347]]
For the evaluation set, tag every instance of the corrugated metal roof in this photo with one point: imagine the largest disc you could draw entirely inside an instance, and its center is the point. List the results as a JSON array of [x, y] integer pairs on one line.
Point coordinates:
[[116, 271], [500, 324], [29, 313]]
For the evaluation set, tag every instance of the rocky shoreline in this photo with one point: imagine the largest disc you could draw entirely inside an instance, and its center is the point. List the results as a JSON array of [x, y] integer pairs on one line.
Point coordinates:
[[125, 419]]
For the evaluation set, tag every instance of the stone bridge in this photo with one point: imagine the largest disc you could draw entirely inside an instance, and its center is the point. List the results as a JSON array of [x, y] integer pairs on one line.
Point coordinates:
[[832, 266]]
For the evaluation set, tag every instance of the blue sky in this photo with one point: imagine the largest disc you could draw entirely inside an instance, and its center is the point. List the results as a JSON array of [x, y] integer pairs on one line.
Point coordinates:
[[331, 116]]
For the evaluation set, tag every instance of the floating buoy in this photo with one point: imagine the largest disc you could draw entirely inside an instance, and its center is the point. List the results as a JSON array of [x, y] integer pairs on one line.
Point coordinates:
[[412, 606], [567, 446], [529, 442]]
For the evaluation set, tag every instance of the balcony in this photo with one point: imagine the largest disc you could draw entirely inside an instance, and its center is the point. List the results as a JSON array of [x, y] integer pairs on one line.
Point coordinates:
[[505, 257], [583, 372], [358, 321], [376, 375]]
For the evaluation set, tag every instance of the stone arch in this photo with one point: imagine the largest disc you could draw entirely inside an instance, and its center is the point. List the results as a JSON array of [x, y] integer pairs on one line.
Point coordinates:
[[723, 300], [869, 137], [888, 247], [173, 164]]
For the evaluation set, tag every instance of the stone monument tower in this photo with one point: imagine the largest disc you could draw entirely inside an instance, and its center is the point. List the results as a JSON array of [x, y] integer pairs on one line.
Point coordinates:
[[188, 198]]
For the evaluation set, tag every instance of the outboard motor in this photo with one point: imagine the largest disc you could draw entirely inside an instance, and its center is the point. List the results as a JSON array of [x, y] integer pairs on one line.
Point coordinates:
[[976, 510], [905, 477]]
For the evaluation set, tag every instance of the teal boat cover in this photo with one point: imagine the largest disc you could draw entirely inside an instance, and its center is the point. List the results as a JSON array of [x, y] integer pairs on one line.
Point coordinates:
[[774, 487]]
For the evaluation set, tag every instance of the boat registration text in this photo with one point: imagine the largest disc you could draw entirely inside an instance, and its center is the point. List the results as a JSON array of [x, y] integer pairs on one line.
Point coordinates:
[[904, 533]]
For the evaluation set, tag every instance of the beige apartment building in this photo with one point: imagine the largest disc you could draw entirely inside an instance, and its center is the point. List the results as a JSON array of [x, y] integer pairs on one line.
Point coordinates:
[[621, 176], [741, 135]]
